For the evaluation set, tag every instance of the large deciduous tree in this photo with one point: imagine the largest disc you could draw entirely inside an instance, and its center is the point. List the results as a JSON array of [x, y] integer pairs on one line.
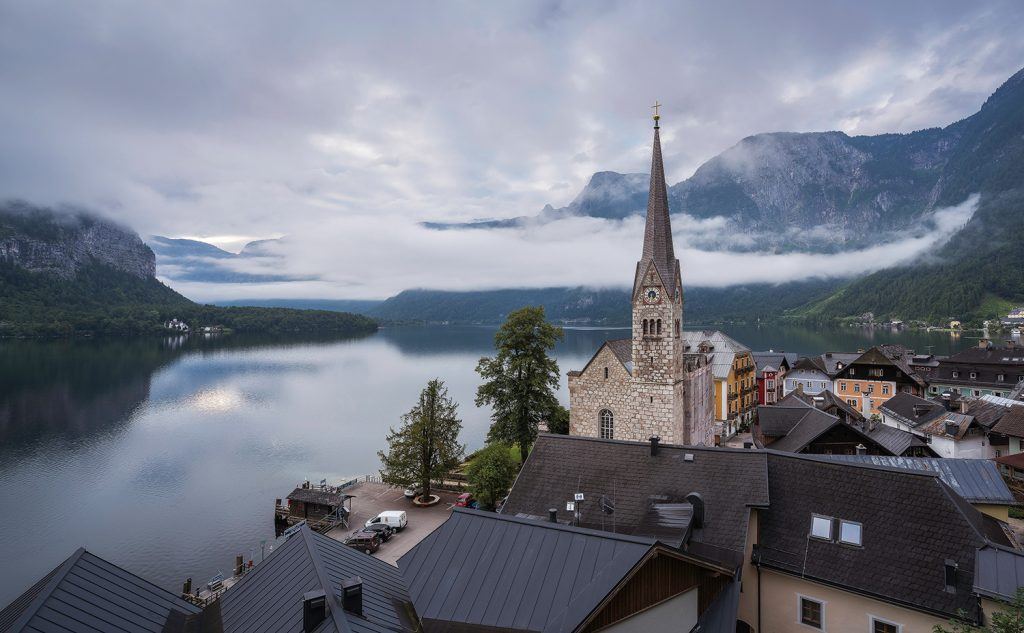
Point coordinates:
[[491, 474], [426, 447], [520, 380]]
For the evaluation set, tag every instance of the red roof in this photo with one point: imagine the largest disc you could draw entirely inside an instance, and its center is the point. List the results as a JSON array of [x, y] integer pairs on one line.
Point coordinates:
[[1016, 460]]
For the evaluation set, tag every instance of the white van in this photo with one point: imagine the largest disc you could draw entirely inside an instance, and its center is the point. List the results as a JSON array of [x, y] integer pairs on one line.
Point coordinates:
[[395, 518]]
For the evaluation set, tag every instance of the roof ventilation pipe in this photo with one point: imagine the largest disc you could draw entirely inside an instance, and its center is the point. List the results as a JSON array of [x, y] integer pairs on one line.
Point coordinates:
[[314, 609], [352, 595], [553, 515], [654, 445]]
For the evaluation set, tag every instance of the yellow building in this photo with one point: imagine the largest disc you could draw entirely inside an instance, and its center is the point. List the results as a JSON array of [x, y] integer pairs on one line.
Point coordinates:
[[734, 374]]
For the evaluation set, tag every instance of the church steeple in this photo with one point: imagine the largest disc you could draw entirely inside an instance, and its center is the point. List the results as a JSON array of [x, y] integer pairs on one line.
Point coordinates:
[[658, 231]]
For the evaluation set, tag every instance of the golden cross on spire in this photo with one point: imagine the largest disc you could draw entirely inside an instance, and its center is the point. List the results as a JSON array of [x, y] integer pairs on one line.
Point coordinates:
[[655, 108]]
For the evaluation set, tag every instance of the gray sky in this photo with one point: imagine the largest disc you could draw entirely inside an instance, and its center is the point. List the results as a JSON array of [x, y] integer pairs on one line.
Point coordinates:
[[343, 125]]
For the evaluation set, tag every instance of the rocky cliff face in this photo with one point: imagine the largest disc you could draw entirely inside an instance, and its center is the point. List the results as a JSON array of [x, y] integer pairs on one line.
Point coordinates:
[[46, 241]]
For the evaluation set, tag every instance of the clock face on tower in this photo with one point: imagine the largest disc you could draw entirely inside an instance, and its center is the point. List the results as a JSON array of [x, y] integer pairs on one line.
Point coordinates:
[[651, 295]]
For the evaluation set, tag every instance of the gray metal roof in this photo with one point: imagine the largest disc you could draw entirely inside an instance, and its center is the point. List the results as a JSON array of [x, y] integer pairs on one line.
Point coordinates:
[[720, 616], [998, 572], [480, 569], [270, 597], [86, 593], [976, 480]]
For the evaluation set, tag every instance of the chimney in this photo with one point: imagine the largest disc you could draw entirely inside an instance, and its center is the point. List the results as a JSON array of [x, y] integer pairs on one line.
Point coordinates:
[[697, 501], [314, 609], [654, 445], [553, 515], [352, 595], [861, 449], [983, 343]]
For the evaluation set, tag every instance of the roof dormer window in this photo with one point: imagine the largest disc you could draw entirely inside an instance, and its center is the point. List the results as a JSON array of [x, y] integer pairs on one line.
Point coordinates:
[[1000, 377], [951, 576], [974, 375], [851, 533], [956, 374], [821, 527]]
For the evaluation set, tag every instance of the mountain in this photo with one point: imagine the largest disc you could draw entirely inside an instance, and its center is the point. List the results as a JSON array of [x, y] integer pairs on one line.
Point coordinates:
[[70, 272], [830, 192], [598, 307], [194, 260]]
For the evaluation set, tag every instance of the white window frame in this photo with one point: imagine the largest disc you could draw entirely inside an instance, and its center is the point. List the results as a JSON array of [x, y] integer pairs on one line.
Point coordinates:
[[831, 527], [601, 426], [873, 618], [800, 611]]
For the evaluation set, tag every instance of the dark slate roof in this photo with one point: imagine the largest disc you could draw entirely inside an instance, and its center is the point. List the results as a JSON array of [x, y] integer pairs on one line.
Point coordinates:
[[892, 439], [998, 572], [729, 480], [812, 425], [270, 597], [831, 361], [86, 593], [976, 480], [912, 523], [829, 400], [623, 350], [487, 570], [884, 356], [1011, 422], [778, 420], [903, 405], [986, 413], [658, 229], [776, 360]]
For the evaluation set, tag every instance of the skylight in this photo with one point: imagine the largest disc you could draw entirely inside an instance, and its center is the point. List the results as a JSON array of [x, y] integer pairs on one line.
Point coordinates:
[[821, 527], [850, 533]]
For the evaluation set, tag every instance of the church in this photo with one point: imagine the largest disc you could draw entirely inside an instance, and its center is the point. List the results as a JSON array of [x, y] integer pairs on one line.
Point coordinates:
[[652, 384]]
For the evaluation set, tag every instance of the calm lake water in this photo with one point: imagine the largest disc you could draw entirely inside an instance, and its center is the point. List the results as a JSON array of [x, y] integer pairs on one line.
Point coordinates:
[[165, 456]]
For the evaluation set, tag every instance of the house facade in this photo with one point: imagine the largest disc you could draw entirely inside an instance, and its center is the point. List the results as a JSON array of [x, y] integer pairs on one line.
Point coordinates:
[[980, 371], [734, 374], [876, 376], [814, 374], [651, 384], [771, 368], [805, 536]]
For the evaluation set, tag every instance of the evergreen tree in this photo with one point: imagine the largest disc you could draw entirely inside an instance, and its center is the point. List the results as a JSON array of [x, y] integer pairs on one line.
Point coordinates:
[[426, 447], [491, 474], [558, 421], [520, 380]]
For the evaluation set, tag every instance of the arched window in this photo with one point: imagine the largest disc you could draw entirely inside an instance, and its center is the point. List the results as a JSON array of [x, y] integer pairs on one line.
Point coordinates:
[[645, 327], [677, 328], [607, 421], [605, 372], [659, 327]]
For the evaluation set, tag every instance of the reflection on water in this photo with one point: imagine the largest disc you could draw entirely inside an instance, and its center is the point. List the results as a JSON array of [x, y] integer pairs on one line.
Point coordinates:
[[165, 456]]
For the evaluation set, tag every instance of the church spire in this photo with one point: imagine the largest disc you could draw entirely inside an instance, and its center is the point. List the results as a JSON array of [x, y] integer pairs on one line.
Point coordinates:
[[658, 231]]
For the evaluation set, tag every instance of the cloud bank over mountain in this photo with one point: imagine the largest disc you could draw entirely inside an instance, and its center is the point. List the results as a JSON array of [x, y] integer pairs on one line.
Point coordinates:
[[343, 126]]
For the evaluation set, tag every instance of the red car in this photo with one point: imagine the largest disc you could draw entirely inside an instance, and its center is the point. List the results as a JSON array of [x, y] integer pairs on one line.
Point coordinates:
[[466, 500]]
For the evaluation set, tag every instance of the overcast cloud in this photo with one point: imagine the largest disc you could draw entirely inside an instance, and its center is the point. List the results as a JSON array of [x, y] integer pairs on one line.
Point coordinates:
[[343, 125]]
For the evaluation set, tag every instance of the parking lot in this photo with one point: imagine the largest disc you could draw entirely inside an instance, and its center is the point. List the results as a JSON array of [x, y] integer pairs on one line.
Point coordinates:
[[371, 499]]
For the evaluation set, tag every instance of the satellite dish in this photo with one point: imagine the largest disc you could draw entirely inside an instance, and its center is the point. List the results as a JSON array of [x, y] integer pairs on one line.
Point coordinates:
[[607, 505]]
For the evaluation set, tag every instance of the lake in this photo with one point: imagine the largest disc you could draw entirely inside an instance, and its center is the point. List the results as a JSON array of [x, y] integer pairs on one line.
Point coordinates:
[[165, 455]]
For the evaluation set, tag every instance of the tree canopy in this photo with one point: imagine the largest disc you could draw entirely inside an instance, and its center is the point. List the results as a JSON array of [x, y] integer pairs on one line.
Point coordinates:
[[521, 379], [426, 447], [491, 474]]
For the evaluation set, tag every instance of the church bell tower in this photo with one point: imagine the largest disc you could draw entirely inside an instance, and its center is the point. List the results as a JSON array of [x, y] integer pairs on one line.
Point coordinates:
[[657, 287]]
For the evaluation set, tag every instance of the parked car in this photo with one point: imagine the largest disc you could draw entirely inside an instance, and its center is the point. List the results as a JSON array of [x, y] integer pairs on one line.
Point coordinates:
[[381, 529], [466, 500], [412, 493], [395, 518], [368, 542]]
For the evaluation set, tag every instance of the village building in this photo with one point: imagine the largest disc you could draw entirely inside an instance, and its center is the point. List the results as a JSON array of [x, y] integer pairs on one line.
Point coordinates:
[[309, 583], [876, 376], [733, 372], [980, 371], [804, 535], [505, 573], [814, 374], [651, 384], [771, 368], [797, 426]]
